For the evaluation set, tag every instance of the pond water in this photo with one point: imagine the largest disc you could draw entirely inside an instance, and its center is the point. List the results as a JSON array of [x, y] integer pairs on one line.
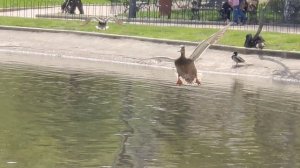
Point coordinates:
[[55, 118]]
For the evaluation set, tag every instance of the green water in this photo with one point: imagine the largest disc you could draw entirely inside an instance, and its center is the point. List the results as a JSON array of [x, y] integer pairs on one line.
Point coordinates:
[[53, 118]]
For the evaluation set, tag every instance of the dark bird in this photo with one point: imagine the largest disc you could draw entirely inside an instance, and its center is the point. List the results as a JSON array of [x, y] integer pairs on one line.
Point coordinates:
[[237, 59], [257, 40], [260, 45], [102, 22], [186, 68]]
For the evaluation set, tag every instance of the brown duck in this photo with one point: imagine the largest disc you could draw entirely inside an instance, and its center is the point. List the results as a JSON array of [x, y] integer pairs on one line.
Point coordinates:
[[186, 68]]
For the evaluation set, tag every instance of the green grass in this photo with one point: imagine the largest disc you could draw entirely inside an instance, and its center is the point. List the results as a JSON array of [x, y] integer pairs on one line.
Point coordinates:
[[175, 33], [274, 41], [288, 42], [271, 16]]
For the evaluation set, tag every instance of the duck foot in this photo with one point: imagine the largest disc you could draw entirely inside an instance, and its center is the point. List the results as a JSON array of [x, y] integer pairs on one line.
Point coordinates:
[[179, 82], [198, 82]]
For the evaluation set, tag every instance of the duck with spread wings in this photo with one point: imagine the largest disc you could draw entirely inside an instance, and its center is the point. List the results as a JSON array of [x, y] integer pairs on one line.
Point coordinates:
[[102, 22], [186, 68]]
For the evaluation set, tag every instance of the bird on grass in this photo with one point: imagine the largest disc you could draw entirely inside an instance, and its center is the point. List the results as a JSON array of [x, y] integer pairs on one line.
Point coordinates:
[[237, 59], [102, 22], [186, 68], [260, 45]]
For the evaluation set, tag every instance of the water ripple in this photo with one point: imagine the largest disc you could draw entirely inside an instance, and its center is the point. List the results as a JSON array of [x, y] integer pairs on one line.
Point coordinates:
[[72, 118]]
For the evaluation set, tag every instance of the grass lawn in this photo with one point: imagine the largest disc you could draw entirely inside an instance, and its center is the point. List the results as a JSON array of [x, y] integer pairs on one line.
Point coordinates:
[[274, 41], [288, 42]]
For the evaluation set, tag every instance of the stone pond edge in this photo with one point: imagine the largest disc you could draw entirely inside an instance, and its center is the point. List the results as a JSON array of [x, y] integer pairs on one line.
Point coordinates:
[[243, 50]]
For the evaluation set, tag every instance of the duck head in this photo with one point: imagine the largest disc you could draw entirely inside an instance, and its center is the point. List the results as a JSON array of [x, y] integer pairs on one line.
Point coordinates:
[[182, 51], [235, 53]]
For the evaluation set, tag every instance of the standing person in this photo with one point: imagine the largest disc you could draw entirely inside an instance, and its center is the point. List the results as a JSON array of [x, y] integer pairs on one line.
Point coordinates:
[[78, 4], [226, 11], [235, 4]]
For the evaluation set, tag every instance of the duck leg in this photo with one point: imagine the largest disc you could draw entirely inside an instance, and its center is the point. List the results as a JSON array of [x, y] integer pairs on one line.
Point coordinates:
[[198, 82], [179, 82]]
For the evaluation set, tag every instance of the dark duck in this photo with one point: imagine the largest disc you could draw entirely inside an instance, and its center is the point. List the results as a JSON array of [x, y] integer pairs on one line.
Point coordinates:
[[186, 68], [237, 59], [103, 22]]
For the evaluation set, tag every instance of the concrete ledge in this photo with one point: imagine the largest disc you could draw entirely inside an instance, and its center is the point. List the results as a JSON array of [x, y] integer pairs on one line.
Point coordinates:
[[276, 53], [243, 50]]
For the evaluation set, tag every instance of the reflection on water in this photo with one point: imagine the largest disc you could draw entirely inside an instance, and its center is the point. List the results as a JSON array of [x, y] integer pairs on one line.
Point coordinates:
[[65, 119]]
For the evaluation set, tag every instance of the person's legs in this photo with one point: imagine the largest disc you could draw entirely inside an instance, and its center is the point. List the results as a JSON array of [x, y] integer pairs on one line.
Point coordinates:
[[80, 7], [72, 6], [63, 6], [236, 14], [222, 14], [243, 16], [228, 14]]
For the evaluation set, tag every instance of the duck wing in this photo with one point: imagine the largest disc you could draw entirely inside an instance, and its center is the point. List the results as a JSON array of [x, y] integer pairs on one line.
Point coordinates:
[[237, 59], [95, 18], [206, 43], [240, 59], [116, 20], [234, 59]]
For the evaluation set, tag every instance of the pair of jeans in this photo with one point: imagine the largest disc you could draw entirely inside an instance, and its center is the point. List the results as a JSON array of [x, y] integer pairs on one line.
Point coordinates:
[[243, 16], [239, 14], [236, 14]]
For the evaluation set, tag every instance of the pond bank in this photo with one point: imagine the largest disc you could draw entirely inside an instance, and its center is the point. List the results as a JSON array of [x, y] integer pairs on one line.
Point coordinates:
[[36, 46]]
